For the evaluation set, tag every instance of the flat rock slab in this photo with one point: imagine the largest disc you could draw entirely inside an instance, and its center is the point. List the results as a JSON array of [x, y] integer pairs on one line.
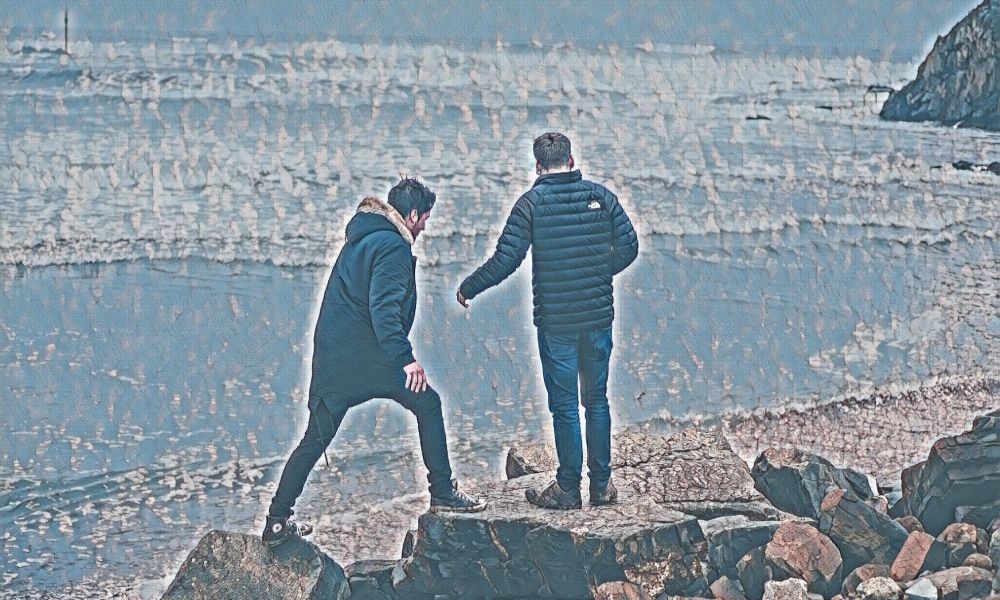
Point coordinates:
[[691, 466], [515, 550], [236, 566]]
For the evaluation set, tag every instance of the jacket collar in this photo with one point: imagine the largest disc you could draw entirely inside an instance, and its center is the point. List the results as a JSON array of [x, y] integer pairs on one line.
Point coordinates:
[[377, 207], [567, 177]]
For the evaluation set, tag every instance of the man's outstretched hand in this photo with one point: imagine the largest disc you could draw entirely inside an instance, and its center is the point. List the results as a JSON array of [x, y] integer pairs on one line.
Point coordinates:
[[462, 299], [416, 378]]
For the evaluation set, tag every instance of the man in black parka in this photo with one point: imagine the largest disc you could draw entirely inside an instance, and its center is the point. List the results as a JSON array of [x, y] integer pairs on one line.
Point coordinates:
[[580, 237], [361, 351]]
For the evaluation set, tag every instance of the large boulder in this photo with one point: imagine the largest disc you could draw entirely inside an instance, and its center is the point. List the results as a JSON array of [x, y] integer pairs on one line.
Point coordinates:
[[797, 481], [236, 566], [515, 550], [959, 81], [921, 552], [801, 550], [694, 471], [863, 534], [961, 471], [730, 538]]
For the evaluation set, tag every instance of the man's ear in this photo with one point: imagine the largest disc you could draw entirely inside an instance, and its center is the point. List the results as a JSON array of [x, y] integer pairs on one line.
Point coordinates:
[[571, 163], [538, 167], [413, 217]]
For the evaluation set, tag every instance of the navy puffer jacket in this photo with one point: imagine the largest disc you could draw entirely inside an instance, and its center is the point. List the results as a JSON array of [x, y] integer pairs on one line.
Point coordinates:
[[361, 339], [580, 237]]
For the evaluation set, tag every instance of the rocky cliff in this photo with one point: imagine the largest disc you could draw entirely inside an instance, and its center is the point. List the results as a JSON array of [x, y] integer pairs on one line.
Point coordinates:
[[959, 81]]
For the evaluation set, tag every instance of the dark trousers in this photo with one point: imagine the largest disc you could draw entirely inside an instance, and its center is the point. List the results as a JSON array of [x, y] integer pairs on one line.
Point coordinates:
[[565, 359], [324, 422]]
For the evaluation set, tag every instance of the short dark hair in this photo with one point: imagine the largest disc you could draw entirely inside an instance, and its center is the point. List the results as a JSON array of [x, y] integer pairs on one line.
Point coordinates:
[[552, 150], [409, 194]]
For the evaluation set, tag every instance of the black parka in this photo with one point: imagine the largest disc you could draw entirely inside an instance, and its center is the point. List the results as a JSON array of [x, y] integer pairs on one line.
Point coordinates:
[[360, 344], [580, 237]]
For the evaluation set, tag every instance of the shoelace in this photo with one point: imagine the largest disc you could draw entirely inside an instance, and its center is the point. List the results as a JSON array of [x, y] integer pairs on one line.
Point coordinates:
[[465, 497]]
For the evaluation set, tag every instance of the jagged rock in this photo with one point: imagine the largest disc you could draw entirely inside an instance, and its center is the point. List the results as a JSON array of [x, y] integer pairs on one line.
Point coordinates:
[[527, 459], [619, 590], [236, 566], [950, 582], [962, 470], [797, 481], [958, 81], [921, 590], [372, 580], [879, 588], [920, 553], [789, 589], [995, 548], [862, 534], [730, 538], [910, 523], [513, 549], [861, 575], [694, 468], [408, 540], [980, 516], [753, 571], [807, 554], [725, 588], [963, 540], [978, 560]]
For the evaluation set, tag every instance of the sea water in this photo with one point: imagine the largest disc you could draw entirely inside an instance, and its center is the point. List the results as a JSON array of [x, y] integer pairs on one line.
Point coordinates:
[[170, 208]]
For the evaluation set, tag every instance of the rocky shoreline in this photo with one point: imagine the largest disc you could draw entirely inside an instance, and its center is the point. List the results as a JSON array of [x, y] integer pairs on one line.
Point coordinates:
[[694, 522], [880, 434]]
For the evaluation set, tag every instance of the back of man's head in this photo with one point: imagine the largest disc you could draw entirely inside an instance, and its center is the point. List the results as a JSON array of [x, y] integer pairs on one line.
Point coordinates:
[[409, 195], [552, 150]]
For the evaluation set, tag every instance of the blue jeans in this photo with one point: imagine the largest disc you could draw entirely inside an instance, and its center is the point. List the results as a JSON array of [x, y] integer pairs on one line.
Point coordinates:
[[324, 421], [566, 358]]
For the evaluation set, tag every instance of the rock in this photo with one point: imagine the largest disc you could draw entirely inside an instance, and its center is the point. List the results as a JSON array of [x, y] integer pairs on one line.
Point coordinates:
[[513, 549], [805, 553], [725, 588], [730, 538], [980, 516], [963, 540], [879, 588], [957, 83], [951, 581], [919, 553], [861, 575], [531, 458], [994, 167], [408, 540], [995, 548], [694, 471], [910, 523], [862, 534], [237, 566], [962, 470], [753, 571], [978, 560], [619, 590], [921, 590], [796, 481], [789, 589], [372, 580]]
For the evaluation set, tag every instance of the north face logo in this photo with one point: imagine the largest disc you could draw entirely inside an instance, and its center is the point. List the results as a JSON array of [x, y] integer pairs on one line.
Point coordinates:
[[594, 205]]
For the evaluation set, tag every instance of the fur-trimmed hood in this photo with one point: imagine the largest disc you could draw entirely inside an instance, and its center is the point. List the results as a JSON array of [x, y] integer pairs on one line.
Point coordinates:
[[360, 226]]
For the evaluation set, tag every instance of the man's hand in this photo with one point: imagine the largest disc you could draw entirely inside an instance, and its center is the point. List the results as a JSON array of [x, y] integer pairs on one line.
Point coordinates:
[[462, 299], [416, 378]]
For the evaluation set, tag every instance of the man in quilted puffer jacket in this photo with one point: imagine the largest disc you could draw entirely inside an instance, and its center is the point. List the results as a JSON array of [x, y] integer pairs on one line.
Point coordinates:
[[580, 238]]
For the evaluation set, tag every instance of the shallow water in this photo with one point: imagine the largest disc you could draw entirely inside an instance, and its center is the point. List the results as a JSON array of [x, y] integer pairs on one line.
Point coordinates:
[[173, 207]]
